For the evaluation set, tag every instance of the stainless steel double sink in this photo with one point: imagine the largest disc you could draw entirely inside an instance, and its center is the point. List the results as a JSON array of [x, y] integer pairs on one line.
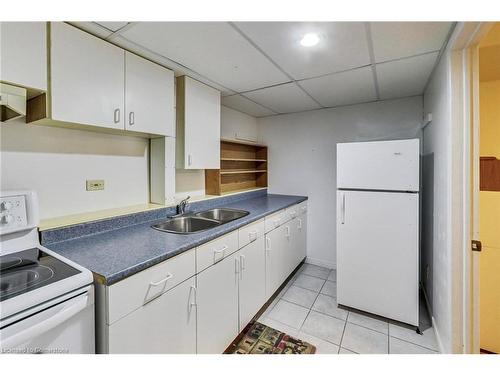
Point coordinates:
[[197, 222]]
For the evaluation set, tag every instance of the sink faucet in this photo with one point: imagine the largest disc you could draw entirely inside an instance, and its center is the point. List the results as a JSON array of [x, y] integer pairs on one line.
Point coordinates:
[[181, 207]]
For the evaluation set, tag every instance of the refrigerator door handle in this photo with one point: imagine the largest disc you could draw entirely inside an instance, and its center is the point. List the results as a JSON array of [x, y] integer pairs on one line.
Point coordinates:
[[343, 209]]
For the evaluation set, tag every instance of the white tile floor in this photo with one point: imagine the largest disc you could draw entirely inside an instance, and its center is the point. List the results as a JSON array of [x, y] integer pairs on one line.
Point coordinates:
[[307, 309]]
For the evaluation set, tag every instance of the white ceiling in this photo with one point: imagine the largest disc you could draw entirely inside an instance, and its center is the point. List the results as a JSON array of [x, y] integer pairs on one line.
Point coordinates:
[[262, 70]]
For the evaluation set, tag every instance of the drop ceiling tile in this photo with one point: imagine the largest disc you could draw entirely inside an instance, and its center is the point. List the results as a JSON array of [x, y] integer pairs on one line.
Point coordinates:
[[93, 28], [213, 49], [283, 98], [159, 59], [353, 86], [245, 105], [343, 45], [394, 40], [113, 26], [405, 77]]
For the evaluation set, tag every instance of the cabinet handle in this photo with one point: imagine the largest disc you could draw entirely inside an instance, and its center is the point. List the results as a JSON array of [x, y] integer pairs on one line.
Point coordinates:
[[169, 276], [236, 266], [276, 223], [268, 244], [343, 209], [220, 251], [300, 224], [253, 234], [189, 159], [117, 115], [242, 262], [131, 118], [195, 299], [287, 233]]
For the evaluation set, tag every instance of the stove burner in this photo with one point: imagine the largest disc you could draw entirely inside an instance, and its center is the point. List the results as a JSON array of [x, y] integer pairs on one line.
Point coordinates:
[[9, 262], [13, 282], [30, 269]]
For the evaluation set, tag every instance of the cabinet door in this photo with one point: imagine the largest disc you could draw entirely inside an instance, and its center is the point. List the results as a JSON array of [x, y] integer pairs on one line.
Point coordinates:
[[252, 288], [24, 54], [201, 126], [301, 238], [87, 78], [167, 324], [276, 259], [217, 298], [149, 97]]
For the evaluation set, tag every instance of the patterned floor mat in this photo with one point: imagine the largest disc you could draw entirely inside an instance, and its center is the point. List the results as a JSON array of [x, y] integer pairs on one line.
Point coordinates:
[[258, 338]]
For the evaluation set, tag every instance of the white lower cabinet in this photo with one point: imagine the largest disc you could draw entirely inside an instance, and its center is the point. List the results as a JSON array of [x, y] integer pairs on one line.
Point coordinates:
[[217, 299], [276, 258], [167, 324], [301, 239], [252, 282], [227, 281]]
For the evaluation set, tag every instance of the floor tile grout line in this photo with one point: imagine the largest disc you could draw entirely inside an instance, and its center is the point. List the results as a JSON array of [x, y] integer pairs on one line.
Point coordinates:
[[371, 329], [410, 342], [343, 331]]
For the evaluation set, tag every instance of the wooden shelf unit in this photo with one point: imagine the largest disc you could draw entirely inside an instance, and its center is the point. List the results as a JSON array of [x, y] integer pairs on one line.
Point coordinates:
[[242, 166]]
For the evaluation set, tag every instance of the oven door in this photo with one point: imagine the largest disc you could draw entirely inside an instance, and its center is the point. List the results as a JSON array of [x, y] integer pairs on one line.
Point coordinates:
[[67, 327]]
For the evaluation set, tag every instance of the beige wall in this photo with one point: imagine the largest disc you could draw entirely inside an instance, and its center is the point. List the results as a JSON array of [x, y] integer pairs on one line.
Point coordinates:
[[489, 221]]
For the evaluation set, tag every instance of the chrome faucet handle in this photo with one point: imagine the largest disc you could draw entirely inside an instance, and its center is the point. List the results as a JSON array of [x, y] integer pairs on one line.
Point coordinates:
[[181, 207]]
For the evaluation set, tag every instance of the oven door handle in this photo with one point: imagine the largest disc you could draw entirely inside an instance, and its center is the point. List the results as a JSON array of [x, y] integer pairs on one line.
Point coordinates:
[[46, 325]]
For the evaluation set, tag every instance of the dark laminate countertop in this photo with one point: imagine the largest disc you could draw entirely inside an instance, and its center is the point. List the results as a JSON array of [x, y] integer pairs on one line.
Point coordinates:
[[117, 254]]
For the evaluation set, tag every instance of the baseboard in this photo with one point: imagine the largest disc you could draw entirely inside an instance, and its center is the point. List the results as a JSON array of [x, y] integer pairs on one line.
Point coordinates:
[[321, 262], [438, 337], [434, 325]]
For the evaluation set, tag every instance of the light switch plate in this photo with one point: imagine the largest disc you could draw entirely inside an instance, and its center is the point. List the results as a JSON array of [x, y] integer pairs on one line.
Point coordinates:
[[93, 185]]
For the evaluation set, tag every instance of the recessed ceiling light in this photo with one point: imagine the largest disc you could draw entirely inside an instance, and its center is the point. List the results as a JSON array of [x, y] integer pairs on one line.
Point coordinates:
[[309, 40]]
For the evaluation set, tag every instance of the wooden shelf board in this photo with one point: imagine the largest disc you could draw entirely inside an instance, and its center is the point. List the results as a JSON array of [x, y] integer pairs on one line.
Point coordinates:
[[236, 159], [249, 143], [222, 172]]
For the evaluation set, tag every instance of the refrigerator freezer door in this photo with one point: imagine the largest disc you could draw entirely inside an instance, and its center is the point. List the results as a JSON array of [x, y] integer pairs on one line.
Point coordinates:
[[377, 253], [387, 165]]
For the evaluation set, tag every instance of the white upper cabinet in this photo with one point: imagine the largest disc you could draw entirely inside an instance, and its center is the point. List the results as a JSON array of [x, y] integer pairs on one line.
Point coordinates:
[[149, 97], [97, 84], [87, 78], [23, 59], [198, 125]]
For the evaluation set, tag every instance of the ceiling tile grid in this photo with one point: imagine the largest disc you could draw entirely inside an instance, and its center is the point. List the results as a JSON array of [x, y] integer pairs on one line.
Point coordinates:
[[283, 98], [396, 40], [242, 104], [214, 49], [342, 46], [405, 77], [350, 87], [261, 68]]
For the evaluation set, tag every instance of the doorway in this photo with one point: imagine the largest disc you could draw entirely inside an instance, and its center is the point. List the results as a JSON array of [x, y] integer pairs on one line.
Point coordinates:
[[489, 192]]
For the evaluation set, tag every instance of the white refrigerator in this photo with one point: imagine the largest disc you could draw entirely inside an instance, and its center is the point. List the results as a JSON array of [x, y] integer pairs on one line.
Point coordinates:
[[378, 228]]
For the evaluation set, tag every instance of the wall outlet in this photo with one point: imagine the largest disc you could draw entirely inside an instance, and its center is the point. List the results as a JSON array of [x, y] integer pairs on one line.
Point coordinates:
[[93, 185]]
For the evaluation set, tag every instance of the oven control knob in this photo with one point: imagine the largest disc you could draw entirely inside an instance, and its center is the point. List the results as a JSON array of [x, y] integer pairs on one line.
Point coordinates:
[[7, 219], [6, 205]]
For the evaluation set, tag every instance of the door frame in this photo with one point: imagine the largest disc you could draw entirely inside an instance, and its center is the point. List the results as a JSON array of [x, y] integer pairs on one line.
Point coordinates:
[[464, 69]]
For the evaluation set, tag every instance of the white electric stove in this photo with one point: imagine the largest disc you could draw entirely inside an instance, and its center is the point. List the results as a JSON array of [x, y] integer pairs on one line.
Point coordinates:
[[46, 301]]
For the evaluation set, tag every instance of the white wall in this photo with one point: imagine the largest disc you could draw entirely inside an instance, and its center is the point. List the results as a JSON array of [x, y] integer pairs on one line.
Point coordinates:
[[437, 195], [56, 163], [302, 156]]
